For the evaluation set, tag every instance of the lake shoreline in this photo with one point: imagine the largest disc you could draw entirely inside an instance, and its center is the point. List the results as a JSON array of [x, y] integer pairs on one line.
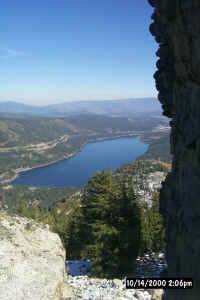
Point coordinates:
[[68, 156]]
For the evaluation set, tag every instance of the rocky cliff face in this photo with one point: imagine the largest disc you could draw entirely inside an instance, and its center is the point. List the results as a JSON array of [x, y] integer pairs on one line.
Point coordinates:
[[176, 27], [32, 261]]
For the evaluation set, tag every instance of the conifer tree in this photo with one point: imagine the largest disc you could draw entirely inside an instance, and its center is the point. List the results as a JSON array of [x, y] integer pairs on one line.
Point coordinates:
[[157, 225], [77, 236], [108, 225], [129, 226], [153, 232]]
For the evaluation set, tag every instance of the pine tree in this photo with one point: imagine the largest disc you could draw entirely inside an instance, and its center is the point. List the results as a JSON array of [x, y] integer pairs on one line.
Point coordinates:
[[157, 225], [76, 236], [108, 227], [129, 227], [153, 232]]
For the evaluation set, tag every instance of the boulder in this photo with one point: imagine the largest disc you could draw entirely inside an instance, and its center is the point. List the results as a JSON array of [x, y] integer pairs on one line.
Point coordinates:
[[32, 261]]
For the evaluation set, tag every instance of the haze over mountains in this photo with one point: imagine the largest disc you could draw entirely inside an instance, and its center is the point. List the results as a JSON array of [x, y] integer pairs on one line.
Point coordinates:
[[114, 108]]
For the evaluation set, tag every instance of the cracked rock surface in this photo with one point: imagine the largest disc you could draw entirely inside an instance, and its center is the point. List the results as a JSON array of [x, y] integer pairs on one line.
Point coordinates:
[[176, 27], [32, 261]]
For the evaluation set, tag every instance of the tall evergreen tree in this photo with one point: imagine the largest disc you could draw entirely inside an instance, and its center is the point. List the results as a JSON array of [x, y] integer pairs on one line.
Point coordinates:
[[129, 226], [153, 232], [157, 225], [110, 226], [76, 236]]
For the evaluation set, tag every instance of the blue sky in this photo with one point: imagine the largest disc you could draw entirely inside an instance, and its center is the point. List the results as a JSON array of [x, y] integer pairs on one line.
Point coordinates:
[[53, 51]]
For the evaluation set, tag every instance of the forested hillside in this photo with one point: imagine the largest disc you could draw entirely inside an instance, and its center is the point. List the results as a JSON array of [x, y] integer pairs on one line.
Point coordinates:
[[159, 149], [27, 143], [104, 216], [57, 197], [116, 214]]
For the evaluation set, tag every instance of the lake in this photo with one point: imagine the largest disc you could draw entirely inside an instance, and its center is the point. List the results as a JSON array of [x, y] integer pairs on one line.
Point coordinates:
[[76, 170]]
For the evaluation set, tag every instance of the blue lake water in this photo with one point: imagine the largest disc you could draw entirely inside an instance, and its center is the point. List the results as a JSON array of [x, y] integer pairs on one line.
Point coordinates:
[[78, 169]]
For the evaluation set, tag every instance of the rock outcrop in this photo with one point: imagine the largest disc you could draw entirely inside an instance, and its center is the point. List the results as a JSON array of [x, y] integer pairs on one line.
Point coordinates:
[[176, 28], [32, 261]]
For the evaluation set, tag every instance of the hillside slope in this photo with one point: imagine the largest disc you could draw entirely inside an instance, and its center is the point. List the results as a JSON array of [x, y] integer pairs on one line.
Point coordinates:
[[120, 108], [27, 143]]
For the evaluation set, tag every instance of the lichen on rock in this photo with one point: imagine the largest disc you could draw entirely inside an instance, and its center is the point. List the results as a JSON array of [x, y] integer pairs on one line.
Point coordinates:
[[32, 261], [176, 28]]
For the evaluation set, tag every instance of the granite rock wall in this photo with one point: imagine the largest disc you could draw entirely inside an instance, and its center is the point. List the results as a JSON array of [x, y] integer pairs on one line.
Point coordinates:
[[176, 27]]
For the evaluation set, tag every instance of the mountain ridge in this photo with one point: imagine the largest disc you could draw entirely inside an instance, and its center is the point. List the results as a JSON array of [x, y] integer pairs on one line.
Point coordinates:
[[123, 107]]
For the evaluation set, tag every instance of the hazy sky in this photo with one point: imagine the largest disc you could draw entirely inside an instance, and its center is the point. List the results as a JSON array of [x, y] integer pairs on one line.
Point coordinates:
[[53, 51]]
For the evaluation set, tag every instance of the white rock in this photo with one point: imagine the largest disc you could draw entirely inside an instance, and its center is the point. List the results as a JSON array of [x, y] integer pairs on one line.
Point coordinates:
[[161, 255], [88, 288], [31, 261]]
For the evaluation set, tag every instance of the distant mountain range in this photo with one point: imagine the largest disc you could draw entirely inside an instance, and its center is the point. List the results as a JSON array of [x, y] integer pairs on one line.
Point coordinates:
[[112, 108]]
